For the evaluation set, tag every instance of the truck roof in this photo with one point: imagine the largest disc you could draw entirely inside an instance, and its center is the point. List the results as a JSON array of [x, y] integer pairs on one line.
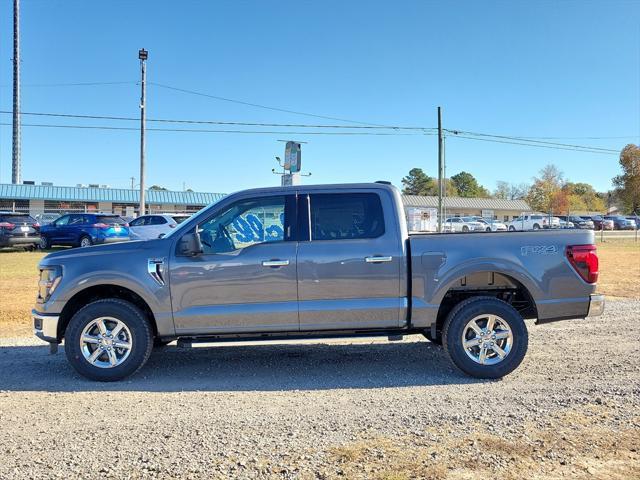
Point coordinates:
[[334, 186]]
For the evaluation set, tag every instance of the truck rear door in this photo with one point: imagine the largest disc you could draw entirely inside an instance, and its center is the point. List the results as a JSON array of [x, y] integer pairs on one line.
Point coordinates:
[[350, 259]]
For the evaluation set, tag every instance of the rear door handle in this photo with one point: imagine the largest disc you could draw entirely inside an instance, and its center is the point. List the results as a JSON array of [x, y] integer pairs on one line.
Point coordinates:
[[378, 259], [275, 263]]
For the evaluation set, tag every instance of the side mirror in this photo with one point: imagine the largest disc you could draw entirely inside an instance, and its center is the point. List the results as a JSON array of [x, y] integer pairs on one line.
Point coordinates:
[[190, 245], [162, 235]]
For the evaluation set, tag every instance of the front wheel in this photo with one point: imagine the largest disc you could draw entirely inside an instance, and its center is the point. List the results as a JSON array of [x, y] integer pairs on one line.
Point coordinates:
[[536, 226], [488, 229], [485, 337], [512, 228], [108, 340], [465, 229], [44, 243]]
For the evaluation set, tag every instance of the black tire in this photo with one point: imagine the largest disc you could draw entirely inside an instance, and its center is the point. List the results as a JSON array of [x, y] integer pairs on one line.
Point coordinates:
[[458, 319], [536, 226], [141, 339], [512, 228], [158, 343], [44, 243], [488, 229], [437, 340], [85, 239], [465, 228]]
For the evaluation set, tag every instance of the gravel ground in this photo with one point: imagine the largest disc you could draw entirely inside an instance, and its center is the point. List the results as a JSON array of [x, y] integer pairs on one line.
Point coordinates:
[[322, 410]]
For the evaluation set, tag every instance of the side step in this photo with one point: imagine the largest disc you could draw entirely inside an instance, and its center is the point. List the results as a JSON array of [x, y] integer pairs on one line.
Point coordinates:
[[190, 342]]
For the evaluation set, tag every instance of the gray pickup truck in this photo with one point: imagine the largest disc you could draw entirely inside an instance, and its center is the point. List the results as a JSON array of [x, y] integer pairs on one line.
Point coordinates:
[[313, 261]]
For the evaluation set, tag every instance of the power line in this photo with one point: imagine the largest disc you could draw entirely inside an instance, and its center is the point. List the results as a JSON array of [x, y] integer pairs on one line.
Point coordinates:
[[252, 132], [217, 122], [505, 137], [276, 109], [77, 84], [552, 147]]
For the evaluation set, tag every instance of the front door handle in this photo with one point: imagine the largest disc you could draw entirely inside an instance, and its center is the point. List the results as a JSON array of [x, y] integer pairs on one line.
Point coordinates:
[[275, 263], [378, 259]]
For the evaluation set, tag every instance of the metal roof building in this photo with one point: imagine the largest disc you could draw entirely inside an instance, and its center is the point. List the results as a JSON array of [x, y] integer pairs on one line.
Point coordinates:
[[50, 198], [467, 203], [496, 208]]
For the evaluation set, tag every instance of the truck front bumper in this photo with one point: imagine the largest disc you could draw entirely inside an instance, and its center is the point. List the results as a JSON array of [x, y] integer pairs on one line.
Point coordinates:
[[596, 305], [45, 327]]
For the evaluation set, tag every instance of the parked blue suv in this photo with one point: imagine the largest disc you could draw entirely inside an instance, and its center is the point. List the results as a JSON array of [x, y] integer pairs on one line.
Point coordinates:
[[84, 230]]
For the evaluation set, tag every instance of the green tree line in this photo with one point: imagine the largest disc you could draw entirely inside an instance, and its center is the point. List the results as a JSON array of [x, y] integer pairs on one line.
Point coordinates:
[[549, 191]]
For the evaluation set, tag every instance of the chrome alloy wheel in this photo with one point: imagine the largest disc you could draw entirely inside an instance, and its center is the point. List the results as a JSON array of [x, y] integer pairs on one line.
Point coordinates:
[[487, 339], [105, 342]]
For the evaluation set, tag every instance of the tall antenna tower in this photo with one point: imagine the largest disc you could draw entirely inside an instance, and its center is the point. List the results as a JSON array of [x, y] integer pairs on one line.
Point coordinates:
[[16, 163]]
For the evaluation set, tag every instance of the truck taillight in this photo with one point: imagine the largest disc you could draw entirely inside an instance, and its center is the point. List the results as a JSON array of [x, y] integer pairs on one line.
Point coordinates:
[[584, 260]]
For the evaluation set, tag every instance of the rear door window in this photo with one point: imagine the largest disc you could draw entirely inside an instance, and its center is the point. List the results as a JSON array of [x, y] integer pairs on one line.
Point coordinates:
[[157, 220], [76, 220], [346, 216]]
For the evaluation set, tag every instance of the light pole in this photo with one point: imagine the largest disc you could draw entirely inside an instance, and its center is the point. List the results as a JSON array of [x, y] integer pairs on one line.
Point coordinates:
[[142, 55]]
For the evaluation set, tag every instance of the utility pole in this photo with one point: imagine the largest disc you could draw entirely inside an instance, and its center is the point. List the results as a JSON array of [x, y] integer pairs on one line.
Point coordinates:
[[16, 159], [440, 171], [142, 55]]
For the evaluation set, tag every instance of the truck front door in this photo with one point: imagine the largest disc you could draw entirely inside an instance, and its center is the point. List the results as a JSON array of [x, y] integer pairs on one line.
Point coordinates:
[[245, 279], [349, 261]]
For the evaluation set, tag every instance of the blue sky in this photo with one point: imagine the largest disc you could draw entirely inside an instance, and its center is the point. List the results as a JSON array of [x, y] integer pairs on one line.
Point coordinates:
[[537, 69]]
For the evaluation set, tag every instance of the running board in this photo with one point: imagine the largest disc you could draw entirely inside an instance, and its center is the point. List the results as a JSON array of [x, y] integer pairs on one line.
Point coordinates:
[[190, 342]]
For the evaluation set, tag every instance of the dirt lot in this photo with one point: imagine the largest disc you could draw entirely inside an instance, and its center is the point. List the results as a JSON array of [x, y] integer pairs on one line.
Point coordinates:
[[360, 409]]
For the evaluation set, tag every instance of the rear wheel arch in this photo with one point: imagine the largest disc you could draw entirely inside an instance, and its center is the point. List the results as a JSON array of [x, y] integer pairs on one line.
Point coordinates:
[[497, 285], [102, 292]]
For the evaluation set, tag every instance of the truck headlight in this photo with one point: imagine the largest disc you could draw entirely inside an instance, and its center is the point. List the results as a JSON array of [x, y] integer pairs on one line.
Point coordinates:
[[50, 278]]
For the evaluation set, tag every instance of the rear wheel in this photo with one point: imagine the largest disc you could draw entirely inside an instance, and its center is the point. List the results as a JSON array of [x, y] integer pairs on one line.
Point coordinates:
[[85, 241], [465, 228], [108, 340], [536, 226], [44, 243], [485, 337], [488, 229]]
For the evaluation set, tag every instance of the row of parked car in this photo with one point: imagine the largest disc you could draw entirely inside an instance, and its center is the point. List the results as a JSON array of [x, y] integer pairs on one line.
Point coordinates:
[[539, 221], [81, 229]]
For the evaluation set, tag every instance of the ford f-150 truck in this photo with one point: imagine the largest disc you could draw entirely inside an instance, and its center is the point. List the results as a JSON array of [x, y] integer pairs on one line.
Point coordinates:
[[313, 261]]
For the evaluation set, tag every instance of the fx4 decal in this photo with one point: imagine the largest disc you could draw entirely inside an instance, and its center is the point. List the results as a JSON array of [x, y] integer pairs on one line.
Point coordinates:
[[538, 250]]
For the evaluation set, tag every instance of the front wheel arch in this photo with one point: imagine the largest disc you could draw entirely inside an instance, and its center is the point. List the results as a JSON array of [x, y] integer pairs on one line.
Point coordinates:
[[99, 292]]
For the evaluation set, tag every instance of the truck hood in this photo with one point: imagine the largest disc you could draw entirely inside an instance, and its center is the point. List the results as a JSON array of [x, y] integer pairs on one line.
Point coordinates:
[[156, 247]]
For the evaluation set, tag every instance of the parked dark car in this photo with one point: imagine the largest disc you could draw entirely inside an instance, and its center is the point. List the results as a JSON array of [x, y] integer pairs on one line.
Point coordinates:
[[18, 229], [621, 223], [600, 223], [84, 230], [578, 222]]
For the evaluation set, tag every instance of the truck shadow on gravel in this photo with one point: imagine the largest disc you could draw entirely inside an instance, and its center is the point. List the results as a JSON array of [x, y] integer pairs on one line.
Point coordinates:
[[244, 368]]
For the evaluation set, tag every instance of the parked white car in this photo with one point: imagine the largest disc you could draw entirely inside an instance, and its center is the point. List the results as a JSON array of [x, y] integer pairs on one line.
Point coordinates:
[[491, 225], [534, 221], [147, 227], [460, 224]]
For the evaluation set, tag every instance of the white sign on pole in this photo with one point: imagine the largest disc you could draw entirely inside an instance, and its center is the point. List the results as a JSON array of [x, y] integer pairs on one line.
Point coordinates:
[[292, 157]]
